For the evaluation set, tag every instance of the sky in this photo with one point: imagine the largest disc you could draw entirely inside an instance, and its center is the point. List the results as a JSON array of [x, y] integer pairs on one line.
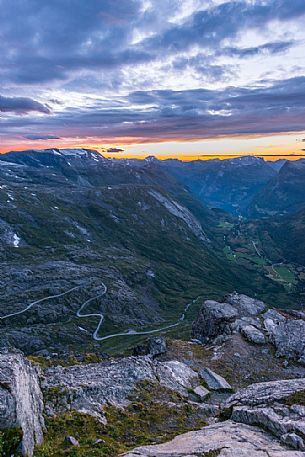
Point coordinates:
[[171, 78]]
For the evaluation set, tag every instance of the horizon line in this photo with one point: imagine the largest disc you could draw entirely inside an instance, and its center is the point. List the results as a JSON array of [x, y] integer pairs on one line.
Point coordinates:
[[192, 157]]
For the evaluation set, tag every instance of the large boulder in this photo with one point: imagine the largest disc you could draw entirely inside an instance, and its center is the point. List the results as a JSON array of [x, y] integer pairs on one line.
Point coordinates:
[[214, 319], [252, 334], [245, 305], [157, 346], [288, 336], [154, 347], [249, 317], [176, 376]]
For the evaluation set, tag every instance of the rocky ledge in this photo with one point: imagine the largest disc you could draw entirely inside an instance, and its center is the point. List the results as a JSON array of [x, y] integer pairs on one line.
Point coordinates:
[[87, 388], [225, 439]]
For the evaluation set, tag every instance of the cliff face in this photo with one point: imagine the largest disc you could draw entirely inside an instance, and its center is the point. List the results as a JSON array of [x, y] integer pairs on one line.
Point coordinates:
[[21, 399]]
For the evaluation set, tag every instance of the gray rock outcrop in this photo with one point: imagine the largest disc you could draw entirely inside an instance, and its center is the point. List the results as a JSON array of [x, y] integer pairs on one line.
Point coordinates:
[[288, 336], [266, 393], [249, 317], [214, 319], [252, 334], [261, 420], [157, 346], [87, 388], [288, 426], [262, 423], [154, 347], [245, 305]]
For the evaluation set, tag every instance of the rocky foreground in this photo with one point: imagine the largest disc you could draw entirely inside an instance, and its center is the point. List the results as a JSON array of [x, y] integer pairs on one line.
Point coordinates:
[[222, 416]]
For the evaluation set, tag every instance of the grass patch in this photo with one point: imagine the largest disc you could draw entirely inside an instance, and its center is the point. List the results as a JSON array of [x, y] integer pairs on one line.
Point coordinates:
[[44, 362], [285, 274], [9, 442], [298, 398], [225, 225]]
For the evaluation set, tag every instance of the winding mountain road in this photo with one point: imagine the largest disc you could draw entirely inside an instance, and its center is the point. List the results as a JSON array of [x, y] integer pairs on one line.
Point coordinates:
[[80, 314], [37, 302], [99, 315]]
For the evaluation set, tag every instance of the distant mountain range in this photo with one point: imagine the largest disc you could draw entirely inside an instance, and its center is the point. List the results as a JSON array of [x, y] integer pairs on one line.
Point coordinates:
[[245, 186], [155, 234], [227, 184]]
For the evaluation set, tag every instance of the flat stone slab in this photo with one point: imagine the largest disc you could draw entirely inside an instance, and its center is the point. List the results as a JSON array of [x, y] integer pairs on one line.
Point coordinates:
[[227, 438], [201, 392], [213, 380]]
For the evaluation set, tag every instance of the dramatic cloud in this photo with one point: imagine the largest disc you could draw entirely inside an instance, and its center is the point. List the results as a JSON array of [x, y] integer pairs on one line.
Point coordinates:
[[144, 70], [21, 105], [184, 115]]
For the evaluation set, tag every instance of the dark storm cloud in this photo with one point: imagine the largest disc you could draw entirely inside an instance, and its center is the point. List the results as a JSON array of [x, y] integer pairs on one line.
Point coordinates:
[[21, 105]]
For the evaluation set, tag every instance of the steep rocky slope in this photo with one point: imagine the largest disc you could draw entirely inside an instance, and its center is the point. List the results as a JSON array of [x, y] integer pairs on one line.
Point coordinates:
[[282, 237], [284, 194]]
